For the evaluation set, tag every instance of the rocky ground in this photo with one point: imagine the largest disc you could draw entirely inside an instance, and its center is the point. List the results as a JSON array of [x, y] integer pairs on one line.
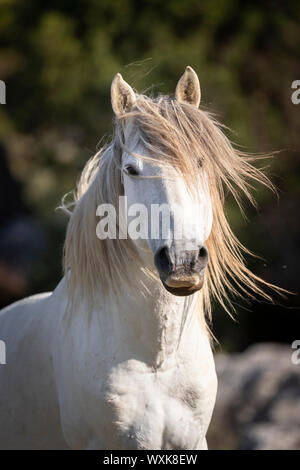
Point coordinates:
[[258, 402]]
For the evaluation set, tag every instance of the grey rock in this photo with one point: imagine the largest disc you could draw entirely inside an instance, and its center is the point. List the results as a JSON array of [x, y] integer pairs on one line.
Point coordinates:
[[258, 401]]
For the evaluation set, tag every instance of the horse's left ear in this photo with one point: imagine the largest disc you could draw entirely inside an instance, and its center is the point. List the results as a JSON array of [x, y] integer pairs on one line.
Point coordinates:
[[122, 95], [188, 88]]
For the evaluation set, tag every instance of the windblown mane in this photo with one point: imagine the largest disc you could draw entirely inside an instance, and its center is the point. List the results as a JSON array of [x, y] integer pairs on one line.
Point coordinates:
[[191, 139]]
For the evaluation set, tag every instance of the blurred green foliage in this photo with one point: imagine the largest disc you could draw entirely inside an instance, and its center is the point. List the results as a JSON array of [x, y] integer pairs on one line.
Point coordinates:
[[58, 59]]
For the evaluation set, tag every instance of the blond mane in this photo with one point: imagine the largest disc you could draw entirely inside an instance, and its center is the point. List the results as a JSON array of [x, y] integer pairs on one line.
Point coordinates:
[[190, 139]]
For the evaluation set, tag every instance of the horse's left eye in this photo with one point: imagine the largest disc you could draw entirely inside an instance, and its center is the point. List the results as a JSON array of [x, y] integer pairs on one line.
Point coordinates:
[[131, 170], [200, 162]]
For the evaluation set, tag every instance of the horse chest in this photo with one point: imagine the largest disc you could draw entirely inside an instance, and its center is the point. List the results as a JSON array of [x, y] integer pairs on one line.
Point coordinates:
[[154, 410]]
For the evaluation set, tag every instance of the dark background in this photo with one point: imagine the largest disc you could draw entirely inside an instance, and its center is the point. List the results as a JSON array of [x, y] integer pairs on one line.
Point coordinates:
[[58, 59]]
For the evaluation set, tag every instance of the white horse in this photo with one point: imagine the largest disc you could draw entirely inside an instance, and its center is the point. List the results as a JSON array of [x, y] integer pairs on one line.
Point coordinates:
[[119, 355]]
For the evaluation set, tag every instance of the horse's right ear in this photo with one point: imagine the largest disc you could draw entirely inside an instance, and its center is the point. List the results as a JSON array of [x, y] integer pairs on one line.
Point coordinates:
[[122, 95], [188, 88]]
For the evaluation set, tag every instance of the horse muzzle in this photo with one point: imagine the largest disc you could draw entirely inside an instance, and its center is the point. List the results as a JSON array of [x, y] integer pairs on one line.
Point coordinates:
[[183, 288], [187, 276]]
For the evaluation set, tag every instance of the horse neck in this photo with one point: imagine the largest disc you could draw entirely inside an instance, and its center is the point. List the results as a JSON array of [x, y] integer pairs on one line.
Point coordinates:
[[156, 324]]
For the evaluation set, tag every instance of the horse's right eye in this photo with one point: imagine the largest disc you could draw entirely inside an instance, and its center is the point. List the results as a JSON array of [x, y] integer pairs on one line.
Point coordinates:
[[131, 170]]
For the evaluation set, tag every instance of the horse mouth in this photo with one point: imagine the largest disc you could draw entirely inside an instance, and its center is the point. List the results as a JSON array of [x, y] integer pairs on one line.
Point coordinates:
[[184, 291]]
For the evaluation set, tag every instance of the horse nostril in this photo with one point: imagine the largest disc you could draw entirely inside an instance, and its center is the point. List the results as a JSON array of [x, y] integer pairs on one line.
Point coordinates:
[[162, 259], [203, 253]]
